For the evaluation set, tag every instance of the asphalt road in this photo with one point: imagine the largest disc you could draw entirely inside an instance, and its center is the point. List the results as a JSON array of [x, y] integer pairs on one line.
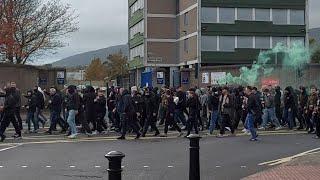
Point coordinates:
[[53, 158]]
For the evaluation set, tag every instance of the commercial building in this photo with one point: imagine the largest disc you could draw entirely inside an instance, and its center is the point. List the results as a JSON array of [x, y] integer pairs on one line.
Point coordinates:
[[177, 42]]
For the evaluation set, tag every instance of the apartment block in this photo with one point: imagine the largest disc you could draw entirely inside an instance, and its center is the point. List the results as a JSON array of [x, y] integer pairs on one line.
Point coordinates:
[[174, 42]]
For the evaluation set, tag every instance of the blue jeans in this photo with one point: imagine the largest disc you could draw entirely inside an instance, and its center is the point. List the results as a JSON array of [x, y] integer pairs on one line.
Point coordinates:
[[269, 115], [250, 125], [213, 121], [72, 121], [30, 118], [179, 117], [288, 117]]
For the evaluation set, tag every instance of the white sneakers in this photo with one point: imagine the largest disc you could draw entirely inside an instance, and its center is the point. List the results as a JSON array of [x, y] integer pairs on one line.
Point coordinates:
[[72, 136]]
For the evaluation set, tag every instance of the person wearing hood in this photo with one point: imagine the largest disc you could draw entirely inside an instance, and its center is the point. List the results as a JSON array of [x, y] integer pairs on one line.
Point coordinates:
[[289, 106], [31, 109], [128, 117], [100, 111], [277, 103], [72, 108], [2, 100], [17, 95], [180, 106], [150, 112], [193, 104], [88, 100], [40, 106], [302, 105], [9, 115]]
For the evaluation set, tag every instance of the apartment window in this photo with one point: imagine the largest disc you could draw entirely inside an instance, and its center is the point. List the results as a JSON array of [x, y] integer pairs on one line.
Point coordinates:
[[262, 14], [297, 40], [137, 52], [263, 42], [277, 40], [279, 16], [186, 45], [227, 15], [245, 42], [227, 43], [138, 28], [136, 6], [209, 15], [209, 43], [297, 17], [245, 14], [186, 19]]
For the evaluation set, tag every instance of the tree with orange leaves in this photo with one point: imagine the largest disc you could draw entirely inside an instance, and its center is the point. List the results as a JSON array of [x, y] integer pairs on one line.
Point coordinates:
[[32, 28]]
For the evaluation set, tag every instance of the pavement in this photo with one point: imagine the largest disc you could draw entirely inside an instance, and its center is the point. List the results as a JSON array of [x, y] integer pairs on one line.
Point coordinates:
[[53, 157]]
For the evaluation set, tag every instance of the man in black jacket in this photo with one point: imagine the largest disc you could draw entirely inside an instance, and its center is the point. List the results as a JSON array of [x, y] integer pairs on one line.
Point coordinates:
[[194, 106], [180, 107], [17, 96], [100, 111], [226, 102], [9, 110], [253, 109], [40, 106], [213, 104], [55, 104], [31, 107], [150, 112], [88, 99], [128, 114]]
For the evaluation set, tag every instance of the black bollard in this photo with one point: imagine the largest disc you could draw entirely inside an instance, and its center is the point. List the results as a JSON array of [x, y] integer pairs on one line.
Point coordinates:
[[194, 164], [115, 169]]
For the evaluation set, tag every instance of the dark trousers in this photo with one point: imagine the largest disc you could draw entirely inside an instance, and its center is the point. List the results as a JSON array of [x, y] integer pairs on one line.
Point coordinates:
[[301, 118], [192, 123], [101, 126], [170, 121], [7, 118], [84, 123], [309, 121], [18, 117], [150, 121], [56, 119], [89, 116], [129, 120], [279, 112], [226, 122], [238, 117], [317, 122]]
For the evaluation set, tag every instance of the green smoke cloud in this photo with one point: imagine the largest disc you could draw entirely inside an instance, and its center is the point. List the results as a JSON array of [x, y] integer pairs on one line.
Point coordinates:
[[296, 57]]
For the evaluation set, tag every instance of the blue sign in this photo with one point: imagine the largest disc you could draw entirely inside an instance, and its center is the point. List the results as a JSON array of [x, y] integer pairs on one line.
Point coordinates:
[[185, 76], [160, 81], [60, 81], [43, 81]]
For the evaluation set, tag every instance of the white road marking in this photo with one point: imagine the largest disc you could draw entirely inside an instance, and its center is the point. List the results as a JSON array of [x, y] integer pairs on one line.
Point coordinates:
[[72, 166], [97, 166], [287, 159], [8, 148], [1, 166], [218, 166], [243, 166], [170, 166], [48, 166], [122, 166], [24, 166], [146, 166]]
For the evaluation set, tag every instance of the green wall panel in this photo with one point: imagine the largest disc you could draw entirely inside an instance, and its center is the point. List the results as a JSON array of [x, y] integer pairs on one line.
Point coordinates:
[[136, 41], [288, 4], [137, 17], [240, 56], [131, 2], [137, 62], [258, 28]]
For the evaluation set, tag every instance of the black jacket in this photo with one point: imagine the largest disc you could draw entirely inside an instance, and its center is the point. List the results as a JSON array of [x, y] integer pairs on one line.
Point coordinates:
[[213, 102], [194, 106], [32, 103], [73, 102], [100, 106], [182, 100], [55, 103], [252, 104], [150, 104], [88, 99], [40, 99], [9, 104]]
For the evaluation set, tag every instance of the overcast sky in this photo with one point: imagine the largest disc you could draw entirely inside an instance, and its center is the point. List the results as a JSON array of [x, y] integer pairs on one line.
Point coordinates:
[[103, 23]]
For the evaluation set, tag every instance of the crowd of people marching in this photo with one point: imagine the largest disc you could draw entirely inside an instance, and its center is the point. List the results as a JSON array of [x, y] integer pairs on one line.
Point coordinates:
[[141, 110]]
